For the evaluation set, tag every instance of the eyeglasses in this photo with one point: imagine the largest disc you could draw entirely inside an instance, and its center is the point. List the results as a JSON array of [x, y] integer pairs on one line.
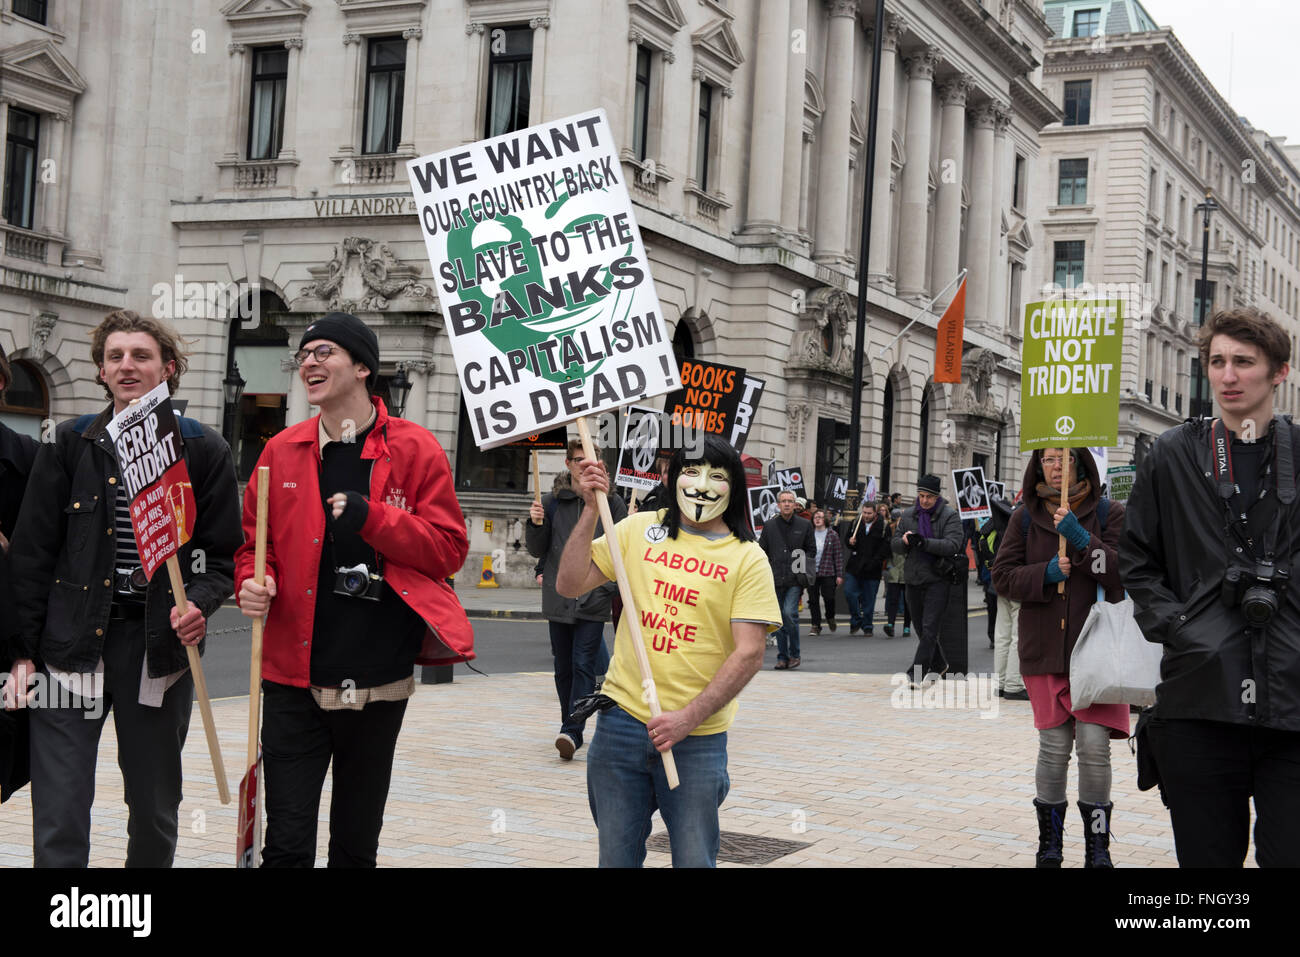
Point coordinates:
[[1055, 460], [320, 352]]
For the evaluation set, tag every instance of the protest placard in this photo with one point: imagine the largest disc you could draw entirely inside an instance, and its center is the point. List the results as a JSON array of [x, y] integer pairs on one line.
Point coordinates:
[[544, 283], [762, 505], [157, 483], [1119, 482], [710, 399], [1070, 371], [996, 489], [639, 451], [751, 391], [791, 480], [972, 496]]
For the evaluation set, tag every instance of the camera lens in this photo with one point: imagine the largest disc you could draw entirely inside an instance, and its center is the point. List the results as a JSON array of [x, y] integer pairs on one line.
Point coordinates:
[[354, 583], [1258, 605]]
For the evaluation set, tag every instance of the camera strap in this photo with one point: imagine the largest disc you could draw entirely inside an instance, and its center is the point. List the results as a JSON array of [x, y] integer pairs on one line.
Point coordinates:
[[1280, 462]]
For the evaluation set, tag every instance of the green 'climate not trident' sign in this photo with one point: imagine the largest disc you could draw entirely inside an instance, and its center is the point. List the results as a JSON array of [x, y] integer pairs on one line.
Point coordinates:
[[1069, 373]]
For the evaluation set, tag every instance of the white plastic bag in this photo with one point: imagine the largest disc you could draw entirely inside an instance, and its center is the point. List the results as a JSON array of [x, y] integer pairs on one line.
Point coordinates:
[[1112, 663]]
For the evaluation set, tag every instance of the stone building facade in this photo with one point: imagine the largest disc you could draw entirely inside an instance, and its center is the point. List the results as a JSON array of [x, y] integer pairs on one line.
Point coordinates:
[[1144, 139], [247, 175]]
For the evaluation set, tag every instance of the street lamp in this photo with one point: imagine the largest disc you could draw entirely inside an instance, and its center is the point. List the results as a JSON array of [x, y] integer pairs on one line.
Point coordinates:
[[399, 387], [233, 387], [1200, 385]]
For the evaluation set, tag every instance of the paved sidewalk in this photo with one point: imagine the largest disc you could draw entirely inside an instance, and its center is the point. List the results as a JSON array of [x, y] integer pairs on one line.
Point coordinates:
[[824, 759]]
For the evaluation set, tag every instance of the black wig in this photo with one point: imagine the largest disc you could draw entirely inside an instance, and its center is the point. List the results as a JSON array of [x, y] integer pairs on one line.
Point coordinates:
[[712, 451]]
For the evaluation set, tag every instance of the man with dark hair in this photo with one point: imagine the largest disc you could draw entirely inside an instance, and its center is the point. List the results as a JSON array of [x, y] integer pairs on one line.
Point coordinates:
[[92, 632], [1218, 592], [704, 594], [791, 548], [867, 545], [577, 625], [364, 530]]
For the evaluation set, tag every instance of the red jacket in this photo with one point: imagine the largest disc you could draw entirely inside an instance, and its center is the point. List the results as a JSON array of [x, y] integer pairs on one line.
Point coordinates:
[[414, 521]]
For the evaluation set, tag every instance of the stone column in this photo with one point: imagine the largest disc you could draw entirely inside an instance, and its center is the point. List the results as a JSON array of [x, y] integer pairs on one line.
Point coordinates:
[[997, 258], [353, 96], [882, 206], [297, 408], [979, 220], [411, 75], [476, 60], [54, 195], [952, 152], [418, 397], [792, 172], [236, 98], [833, 175], [537, 76], [914, 213], [287, 150], [767, 129]]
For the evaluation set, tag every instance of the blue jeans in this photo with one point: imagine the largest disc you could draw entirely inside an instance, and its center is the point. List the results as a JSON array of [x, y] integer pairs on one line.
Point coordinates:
[[787, 638], [579, 650], [626, 783], [861, 594]]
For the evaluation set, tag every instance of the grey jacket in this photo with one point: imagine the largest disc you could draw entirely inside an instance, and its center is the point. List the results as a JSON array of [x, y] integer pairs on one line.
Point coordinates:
[[919, 570], [547, 541]]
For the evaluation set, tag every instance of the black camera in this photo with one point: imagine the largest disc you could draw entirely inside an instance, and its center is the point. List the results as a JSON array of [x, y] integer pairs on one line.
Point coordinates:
[[1258, 590], [130, 583], [358, 582]]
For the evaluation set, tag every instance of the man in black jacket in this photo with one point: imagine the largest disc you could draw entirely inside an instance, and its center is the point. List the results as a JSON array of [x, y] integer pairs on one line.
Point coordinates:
[[929, 533], [867, 547], [577, 624], [1212, 524], [791, 549], [91, 635]]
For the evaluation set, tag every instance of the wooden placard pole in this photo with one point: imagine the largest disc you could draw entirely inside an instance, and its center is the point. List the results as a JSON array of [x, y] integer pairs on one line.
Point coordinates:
[[1065, 503], [650, 695], [537, 480], [255, 663], [200, 683]]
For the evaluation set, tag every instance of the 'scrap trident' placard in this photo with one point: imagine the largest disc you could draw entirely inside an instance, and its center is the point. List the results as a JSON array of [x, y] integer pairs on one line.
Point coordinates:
[[154, 476], [545, 287], [1069, 379]]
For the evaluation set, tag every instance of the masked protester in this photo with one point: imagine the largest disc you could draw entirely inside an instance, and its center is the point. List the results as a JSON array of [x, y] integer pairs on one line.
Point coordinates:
[[363, 530], [704, 643], [90, 624], [1027, 569]]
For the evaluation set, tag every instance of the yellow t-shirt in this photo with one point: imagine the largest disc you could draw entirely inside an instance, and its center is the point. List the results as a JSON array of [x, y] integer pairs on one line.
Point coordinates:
[[687, 590]]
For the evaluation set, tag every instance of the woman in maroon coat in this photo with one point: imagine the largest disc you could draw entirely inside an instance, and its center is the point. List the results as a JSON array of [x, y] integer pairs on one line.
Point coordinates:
[[1027, 570]]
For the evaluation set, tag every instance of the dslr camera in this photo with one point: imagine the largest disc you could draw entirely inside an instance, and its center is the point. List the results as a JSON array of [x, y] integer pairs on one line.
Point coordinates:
[[358, 582], [1258, 589], [129, 584]]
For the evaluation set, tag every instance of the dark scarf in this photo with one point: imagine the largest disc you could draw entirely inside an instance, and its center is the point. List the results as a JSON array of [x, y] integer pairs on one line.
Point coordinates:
[[1079, 493], [925, 517]]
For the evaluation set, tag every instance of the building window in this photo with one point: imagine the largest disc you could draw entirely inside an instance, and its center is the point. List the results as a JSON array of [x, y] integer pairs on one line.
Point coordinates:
[[510, 71], [1087, 23], [26, 394], [641, 105], [1209, 302], [1073, 187], [923, 465], [1078, 98], [34, 10], [385, 81], [1014, 319], [886, 435], [703, 131], [1018, 183], [266, 111], [21, 145], [1069, 263]]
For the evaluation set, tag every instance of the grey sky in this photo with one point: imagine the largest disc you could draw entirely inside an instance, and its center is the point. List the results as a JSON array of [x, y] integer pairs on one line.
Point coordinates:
[[1261, 36]]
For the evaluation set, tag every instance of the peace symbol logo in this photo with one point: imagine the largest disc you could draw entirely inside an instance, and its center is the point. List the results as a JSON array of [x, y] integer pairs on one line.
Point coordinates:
[[1064, 425], [643, 443]]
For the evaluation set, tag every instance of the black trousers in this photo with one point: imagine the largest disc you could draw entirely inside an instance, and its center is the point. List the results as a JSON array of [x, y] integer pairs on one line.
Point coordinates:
[[298, 740], [825, 588], [1208, 772], [65, 746], [927, 604]]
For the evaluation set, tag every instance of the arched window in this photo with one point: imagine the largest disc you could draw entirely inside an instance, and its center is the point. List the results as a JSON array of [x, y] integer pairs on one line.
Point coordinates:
[[923, 455], [683, 343], [26, 403], [886, 435]]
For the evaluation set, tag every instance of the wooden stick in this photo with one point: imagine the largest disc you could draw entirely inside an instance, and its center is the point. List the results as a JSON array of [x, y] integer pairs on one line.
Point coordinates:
[[200, 683], [537, 479], [629, 607], [1065, 503], [857, 525]]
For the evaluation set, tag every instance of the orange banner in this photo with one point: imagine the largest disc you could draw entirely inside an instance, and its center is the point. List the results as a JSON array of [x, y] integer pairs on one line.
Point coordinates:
[[947, 358]]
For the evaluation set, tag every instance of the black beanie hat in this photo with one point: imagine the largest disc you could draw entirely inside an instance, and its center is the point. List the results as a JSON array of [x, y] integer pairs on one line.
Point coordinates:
[[346, 330], [928, 483]]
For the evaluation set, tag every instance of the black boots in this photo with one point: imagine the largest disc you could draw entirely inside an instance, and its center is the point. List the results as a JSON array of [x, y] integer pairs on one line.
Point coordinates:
[[1051, 828], [1096, 834]]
